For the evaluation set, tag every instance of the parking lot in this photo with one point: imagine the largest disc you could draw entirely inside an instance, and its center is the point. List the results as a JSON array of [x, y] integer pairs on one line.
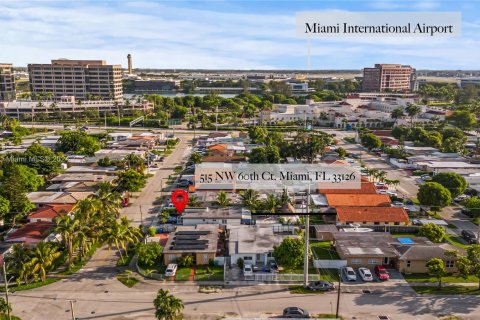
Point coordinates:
[[396, 278]]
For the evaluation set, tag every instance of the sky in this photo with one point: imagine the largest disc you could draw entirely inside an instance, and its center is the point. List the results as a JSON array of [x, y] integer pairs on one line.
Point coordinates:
[[221, 34]]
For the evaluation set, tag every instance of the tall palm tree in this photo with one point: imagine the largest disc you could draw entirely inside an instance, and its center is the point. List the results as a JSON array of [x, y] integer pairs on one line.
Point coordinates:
[[17, 259], [397, 114], [44, 256], [249, 198], [67, 226], [87, 208], [222, 199], [412, 111], [271, 203], [167, 306], [109, 201]]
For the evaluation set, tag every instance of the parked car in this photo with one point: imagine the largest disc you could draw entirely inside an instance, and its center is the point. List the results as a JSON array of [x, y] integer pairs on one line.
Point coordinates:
[[461, 197], [171, 270], [365, 274], [247, 270], [382, 273], [398, 204], [321, 286], [350, 274], [469, 236], [273, 266], [183, 183], [295, 312], [425, 177]]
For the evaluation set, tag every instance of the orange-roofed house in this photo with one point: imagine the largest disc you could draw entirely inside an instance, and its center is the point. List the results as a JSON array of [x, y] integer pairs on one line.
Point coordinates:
[[358, 200], [31, 233], [366, 187], [370, 216], [217, 147], [49, 212]]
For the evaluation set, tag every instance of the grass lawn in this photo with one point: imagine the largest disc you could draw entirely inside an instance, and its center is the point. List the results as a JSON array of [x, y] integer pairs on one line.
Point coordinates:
[[473, 290], [127, 281], [423, 277], [329, 275], [323, 250], [328, 316], [455, 241], [125, 260], [215, 273], [298, 271], [5, 317], [404, 235], [299, 289], [183, 274], [14, 287]]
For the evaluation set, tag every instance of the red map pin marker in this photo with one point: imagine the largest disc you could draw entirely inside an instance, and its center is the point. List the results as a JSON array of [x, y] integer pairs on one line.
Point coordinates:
[[179, 199]]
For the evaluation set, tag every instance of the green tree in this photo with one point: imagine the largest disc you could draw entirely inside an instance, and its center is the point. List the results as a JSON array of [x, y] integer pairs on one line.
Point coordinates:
[[436, 268], [196, 158], [222, 199], [433, 232], [43, 159], [397, 114], [289, 253], [463, 119], [258, 155], [249, 198], [473, 205], [44, 256], [454, 182], [148, 253], [370, 141], [167, 306], [186, 261], [131, 180], [310, 145], [273, 154], [469, 264], [412, 111], [342, 153], [67, 227], [435, 195], [5, 308], [453, 145], [135, 162], [78, 142], [4, 207], [257, 134], [453, 132]]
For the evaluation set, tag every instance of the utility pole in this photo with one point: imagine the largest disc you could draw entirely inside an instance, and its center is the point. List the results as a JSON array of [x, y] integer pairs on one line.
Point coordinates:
[[338, 293], [6, 290], [141, 215], [71, 309], [306, 237], [216, 118]]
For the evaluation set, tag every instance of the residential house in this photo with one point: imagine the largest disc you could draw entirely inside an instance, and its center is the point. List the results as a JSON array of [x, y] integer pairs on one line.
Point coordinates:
[[49, 212], [45, 197], [358, 200], [368, 216], [200, 241], [254, 244], [224, 216], [31, 233]]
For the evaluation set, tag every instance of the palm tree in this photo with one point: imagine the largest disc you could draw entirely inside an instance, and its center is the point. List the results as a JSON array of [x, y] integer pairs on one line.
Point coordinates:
[[87, 208], [222, 199], [167, 306], [193, 201], [5, 308], [44, 256], [67, 226], [271, 203], [284, 198], [412, 111], [110, 202], [397, 114], [249, 198], [16, 259]]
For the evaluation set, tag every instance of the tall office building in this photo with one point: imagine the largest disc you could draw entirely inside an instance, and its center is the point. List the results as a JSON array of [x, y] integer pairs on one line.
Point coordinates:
[[84, 79], [7, 82], [389, 77]]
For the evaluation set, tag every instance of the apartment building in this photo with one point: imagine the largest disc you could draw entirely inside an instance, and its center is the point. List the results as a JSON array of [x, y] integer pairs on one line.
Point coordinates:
[[84, 79], [7, 82], [389, 77]]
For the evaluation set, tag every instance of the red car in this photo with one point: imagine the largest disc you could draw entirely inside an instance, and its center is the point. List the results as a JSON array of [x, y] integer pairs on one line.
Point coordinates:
[[381, 273]]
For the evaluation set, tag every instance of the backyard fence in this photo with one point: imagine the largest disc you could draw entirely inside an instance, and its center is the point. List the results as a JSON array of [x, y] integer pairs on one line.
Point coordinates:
[[283, 277], [329, 264]]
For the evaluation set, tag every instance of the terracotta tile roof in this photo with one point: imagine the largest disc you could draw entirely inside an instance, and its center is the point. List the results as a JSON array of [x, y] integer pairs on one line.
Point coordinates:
[[372, 214], [218, 147], [382, 133], [51, 211], [366, 188], [358, 200], [224, 159], [36, 230]]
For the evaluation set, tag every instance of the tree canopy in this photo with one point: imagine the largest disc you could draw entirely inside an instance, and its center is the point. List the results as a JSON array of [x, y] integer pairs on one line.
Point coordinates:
[[78, 142], [289, 253], [452, 181], [434, 195], [433, 232]]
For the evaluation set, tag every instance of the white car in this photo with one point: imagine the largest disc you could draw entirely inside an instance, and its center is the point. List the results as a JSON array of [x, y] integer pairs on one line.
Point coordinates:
[[171, 270], [350, 274], [365, 274], [247, 270]]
